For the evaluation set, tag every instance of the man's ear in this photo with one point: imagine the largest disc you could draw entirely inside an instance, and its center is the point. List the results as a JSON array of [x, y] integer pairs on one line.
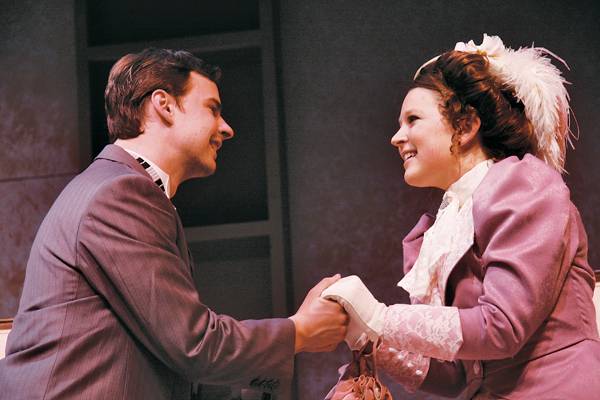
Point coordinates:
[[164, 105]]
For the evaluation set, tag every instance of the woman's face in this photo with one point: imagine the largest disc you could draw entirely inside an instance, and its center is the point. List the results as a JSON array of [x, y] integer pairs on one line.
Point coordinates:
[[424, 140]]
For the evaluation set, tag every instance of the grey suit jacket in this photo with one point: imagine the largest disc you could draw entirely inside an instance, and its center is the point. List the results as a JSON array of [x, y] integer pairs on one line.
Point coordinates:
[[109, 309]]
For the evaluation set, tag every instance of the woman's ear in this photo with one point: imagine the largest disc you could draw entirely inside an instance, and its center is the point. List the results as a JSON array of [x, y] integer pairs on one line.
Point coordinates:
[[164, 105], [469, 128]]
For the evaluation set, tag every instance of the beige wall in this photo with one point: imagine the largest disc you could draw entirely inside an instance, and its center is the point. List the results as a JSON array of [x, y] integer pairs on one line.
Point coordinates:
[[39, 148]]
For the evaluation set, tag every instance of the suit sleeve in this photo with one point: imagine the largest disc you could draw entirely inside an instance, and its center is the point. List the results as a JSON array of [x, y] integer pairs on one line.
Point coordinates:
[[521, 226], [127, 249]]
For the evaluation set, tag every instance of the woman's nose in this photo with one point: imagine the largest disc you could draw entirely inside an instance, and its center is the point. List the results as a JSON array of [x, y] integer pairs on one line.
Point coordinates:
[[399, 138]]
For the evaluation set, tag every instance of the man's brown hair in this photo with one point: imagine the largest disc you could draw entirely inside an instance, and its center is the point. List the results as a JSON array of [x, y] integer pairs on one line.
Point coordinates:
[[135, 76]]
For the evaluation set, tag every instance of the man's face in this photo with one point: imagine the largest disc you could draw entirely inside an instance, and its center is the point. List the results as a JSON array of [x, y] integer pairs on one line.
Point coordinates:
[[199, 129]]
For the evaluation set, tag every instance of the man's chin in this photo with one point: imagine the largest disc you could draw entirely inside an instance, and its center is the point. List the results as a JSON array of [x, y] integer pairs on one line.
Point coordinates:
[[206, 170], [202, 171]]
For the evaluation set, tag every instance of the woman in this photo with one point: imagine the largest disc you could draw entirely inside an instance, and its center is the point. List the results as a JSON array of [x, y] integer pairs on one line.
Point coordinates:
[[500, 287]]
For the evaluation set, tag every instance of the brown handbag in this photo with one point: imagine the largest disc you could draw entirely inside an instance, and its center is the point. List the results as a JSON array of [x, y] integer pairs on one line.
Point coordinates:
[[358, 379]]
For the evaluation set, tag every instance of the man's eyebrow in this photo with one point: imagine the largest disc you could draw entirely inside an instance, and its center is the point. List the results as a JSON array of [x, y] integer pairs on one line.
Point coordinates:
[[215, 103]]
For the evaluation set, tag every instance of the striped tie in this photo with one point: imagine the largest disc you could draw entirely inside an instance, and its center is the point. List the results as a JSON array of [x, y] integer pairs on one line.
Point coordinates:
[[151, 172]]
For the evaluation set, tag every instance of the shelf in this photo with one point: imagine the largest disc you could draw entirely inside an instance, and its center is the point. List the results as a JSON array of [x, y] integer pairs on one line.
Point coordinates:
[[227, 231], [237, 191], [195, 44], [233, 220], [118, 21], [6, 323], [233, 276]]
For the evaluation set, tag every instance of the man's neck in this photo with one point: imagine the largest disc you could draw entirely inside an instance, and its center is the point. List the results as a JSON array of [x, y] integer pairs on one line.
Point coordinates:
[[156, 156]]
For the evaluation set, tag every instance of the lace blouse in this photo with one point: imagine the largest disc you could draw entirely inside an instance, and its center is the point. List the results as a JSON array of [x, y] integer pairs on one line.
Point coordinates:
[[427, 327]]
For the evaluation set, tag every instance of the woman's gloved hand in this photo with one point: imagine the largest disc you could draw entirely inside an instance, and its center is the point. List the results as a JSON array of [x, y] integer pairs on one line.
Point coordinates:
[[366, 313]]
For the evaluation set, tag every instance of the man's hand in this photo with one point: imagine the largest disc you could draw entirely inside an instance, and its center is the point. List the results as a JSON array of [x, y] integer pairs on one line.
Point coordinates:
[[320, 324]]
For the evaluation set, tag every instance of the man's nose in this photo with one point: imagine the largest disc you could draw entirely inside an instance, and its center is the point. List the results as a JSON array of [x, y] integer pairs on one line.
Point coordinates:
[[226, 130]]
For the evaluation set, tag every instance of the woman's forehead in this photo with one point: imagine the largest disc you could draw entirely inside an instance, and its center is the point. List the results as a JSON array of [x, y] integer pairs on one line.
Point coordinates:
[[420, 99]]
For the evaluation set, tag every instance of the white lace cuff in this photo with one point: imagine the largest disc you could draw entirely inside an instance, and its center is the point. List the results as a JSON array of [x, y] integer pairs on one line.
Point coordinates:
[[433, 331], [406, 368]]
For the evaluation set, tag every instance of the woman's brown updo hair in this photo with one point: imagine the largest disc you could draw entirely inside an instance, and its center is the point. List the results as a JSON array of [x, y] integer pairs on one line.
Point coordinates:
[[466, 86]]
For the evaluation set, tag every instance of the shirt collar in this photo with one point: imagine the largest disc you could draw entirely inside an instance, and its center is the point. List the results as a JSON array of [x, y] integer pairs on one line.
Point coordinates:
[[154, 171]]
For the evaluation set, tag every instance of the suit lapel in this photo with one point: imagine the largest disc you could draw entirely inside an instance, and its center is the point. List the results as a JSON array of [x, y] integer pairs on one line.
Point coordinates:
[[117, 154]]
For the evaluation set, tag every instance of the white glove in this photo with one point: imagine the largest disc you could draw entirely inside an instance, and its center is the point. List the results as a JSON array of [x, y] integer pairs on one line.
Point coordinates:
[[366, 313]]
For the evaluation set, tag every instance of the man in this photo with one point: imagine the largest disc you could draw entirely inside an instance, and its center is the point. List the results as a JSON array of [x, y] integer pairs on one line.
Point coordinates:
[[109, 309]]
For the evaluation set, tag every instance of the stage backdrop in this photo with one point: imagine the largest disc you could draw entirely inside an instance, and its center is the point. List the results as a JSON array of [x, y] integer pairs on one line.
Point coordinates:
[[343, 68]]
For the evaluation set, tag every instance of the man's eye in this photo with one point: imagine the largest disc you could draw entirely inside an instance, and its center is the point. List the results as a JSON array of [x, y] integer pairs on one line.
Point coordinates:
[[412, 118]]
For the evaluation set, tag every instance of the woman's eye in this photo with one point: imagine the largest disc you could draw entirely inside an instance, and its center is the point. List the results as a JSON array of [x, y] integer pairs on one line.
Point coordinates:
[[412, 118]]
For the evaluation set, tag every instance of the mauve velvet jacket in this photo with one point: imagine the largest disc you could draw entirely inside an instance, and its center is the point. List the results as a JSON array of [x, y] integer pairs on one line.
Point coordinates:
[[524, 292], [109, 309]]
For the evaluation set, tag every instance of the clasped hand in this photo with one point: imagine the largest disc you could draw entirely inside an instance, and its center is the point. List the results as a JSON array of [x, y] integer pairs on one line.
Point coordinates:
[[335, 310], [367, 315], [321, 324]]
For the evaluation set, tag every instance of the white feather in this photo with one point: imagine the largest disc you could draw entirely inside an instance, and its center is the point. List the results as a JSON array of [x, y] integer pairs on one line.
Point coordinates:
[[539, 85]]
